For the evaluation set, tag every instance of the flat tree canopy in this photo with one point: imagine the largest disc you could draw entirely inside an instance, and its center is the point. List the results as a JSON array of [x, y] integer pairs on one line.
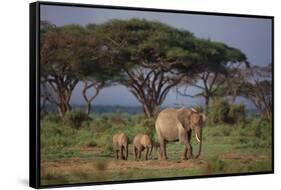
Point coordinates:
[[214, 64], [155, 57], [148, 57]]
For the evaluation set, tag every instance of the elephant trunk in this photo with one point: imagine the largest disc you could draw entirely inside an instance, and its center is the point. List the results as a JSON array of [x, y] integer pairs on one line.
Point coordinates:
[[198, 135]]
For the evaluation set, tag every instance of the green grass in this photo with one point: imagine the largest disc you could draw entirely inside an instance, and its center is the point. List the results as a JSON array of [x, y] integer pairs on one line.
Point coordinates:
[[82, 155]]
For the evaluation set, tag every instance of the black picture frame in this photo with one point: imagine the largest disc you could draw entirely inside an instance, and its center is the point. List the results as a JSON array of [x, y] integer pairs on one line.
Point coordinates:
[[34, 98]]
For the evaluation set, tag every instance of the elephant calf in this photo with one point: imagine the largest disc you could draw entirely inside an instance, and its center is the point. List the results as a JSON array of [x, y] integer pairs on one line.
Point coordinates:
[[142, 142], [120, 145]]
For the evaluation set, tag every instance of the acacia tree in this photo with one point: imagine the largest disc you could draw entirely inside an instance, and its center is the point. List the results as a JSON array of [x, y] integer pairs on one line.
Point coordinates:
[[257, 87], [215, 61], [148, 54], [95, 72], [253, 83], [60, 48]]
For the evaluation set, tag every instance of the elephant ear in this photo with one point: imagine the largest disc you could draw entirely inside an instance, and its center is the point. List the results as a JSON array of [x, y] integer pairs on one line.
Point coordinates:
[[183, 116]]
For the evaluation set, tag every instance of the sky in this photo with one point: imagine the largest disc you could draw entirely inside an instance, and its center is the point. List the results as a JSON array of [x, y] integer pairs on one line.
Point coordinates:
[[250, 35]]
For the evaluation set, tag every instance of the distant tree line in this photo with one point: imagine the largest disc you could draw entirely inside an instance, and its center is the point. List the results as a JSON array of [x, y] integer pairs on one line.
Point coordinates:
[[149, 58]]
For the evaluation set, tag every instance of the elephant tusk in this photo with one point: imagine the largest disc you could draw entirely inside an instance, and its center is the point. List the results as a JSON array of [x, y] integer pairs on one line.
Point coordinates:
[[197, 138], [194, 110]]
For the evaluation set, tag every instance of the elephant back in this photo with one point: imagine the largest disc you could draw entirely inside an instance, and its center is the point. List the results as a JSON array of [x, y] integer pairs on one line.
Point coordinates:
[[123, 138], [167, 124], [167, 117]]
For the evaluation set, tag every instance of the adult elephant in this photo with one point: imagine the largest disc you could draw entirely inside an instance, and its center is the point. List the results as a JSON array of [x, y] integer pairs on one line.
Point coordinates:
[[177, 124]]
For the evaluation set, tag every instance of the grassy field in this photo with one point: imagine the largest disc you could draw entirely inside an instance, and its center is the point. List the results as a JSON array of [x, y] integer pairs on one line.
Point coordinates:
[[84, 155]]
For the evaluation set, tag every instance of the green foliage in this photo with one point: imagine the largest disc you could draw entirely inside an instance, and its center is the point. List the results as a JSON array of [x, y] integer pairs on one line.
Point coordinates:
[[256, 85], [97, 132], [55, 138], [236, 113], [257, 134], [222, 131], [110, 52], [91, 143], [218, 111], [75, 118], [52, 117], [262, 128], [256, 127], [250, 133], [221, 111]]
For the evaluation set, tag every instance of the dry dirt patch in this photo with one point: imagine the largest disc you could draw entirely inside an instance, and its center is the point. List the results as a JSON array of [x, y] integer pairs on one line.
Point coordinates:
[[119, 165], [243, 158]]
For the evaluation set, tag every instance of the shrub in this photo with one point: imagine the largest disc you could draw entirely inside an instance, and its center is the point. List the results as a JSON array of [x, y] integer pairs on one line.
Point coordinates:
[[52, 117], [218, 111], [91, 143], [261, 128], [116, 119], [148, 125], [75, 118], [104, 139], [236, 113], [221, 111]]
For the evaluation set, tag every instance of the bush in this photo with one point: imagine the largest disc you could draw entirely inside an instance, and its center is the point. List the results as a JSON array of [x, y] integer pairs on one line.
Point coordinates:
[[116, 119], [52, 117], [236, 113], [256, 134], [218, 111], [221, 111], [75, 118], [91, 143], [261, 128]]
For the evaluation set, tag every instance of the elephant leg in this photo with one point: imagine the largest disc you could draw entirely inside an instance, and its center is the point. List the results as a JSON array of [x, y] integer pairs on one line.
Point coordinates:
[[135, 153], [165, 150], [184, 155], [189, 149], [122, 153], [117, 154], [162, 143], [125, 151], [188, 140], [146, 153], [139, 154]]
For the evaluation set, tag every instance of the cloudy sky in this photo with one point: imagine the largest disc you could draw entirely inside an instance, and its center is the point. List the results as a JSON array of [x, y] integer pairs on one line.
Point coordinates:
[[251, 35]]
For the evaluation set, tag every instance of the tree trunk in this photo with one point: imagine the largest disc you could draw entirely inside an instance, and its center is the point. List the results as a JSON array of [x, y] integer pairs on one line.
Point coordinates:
[[207, 101], [97, 86], [88, 108], [62, 110], [151, 109], [61, 92], [147, 111]]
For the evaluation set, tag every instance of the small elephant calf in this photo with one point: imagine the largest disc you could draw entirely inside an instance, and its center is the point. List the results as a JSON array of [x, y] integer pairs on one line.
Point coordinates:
[[120, 145], [142, 142]]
